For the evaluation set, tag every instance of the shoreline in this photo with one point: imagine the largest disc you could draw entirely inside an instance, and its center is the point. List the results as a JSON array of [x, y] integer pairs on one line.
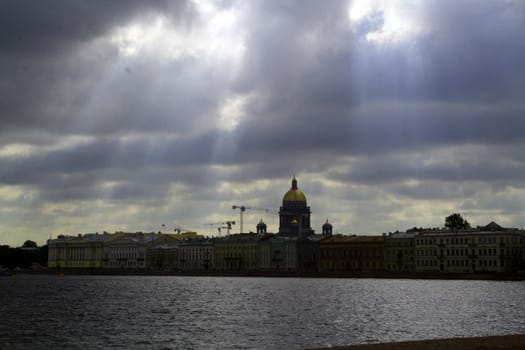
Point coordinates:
[[500, 342], [364, 275]]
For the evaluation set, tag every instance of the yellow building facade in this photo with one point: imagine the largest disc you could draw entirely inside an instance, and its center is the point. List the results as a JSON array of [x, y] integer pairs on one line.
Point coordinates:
[[82, 251], [236, 252], [118, 250]]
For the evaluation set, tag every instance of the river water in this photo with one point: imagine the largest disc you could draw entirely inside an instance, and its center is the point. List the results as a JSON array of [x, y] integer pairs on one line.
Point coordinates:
[[169, 312]]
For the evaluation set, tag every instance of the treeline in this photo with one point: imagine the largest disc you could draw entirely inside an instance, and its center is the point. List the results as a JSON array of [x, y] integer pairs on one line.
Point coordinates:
[[23, 257]]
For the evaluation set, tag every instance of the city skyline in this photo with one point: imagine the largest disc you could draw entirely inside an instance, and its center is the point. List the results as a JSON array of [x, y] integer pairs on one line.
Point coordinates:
[[152, 116]]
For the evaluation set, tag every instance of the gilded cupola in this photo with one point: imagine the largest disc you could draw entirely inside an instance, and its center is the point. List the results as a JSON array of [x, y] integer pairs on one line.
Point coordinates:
[[294, 194]]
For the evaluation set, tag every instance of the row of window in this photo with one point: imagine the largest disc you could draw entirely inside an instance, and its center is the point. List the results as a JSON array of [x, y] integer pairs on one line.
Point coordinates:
[[391, 267], [397, 251], [234, 265], [396, 243], [236, 247], [74, 254], [328, 253], [193, 249], [194, 254], [124, 264], [125, 253], [467, 240], [463, 252], [461, 263], [350, 265], [239, 256]]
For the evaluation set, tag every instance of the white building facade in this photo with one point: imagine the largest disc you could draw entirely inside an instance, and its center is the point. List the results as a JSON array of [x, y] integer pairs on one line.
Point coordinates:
[[468, 251]]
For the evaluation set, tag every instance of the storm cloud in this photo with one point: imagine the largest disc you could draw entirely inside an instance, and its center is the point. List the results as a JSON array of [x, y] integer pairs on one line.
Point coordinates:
[[129, 115]]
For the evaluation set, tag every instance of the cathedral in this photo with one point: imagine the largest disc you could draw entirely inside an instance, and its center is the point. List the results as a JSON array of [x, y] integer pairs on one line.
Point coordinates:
[[294, 214]]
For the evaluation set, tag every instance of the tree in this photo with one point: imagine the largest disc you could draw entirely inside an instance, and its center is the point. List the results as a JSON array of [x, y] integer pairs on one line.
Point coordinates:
[[456, 222], [29, 244]]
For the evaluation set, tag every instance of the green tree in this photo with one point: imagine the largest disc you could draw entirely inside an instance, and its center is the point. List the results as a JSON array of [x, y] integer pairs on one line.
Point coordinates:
[[29, 244], [456, 222]]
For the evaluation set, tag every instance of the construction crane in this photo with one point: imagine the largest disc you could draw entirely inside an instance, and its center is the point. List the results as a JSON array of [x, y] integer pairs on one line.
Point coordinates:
[[226, 225], [180, 229], [243, 208]]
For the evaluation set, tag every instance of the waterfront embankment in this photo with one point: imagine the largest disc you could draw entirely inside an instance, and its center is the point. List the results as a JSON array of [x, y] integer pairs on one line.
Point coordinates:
[[517, 276], [505, 342]]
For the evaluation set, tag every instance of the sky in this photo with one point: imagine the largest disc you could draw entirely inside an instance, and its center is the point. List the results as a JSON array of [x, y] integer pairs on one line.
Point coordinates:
[[147, 116]]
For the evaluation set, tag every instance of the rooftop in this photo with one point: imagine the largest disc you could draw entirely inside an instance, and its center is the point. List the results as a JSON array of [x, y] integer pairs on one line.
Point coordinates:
[[352, 239]]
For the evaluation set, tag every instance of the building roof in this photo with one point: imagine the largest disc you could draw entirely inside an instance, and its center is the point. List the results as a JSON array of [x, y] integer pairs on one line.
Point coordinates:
[[239, 238], [491, 226], [327, 224], [87, 237], [184, 235], [468, 233], [166, 246], [352, 239], [401, 235]]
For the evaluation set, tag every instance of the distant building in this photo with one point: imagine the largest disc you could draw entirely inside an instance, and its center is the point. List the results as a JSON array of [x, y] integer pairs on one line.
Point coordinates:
[[491, 248], [184, 252], [277, 253], [351, 253], [81, 251], [327, 228], [288, 253], [296, 248], [522, 264], [128, 250], [308, 252], [400, 252], [294, 214], [196, 255], [163, 257], [237, 252], [261, 228]]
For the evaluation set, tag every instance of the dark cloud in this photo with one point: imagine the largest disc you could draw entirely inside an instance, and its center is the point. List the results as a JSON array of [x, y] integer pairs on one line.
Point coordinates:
[[42, 28], [446, 165], [480, 38], [458, 82], [59, 51]]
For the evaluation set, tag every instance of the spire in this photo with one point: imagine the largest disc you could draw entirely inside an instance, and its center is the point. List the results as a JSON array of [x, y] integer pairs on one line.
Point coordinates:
[[294, 183]]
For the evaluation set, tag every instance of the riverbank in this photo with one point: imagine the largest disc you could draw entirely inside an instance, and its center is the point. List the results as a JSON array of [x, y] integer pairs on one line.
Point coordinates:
[[506, 342], [354, 274]]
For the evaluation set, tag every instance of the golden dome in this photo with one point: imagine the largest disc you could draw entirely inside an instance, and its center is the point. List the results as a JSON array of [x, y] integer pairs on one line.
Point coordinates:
[[294, 194]]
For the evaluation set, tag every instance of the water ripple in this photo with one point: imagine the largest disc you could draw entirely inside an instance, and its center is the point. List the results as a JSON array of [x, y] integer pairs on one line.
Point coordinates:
[[91, 312]]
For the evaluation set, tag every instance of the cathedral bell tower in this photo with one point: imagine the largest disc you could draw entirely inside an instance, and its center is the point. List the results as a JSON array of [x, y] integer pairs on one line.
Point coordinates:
[[261, 228], [327, 228]]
